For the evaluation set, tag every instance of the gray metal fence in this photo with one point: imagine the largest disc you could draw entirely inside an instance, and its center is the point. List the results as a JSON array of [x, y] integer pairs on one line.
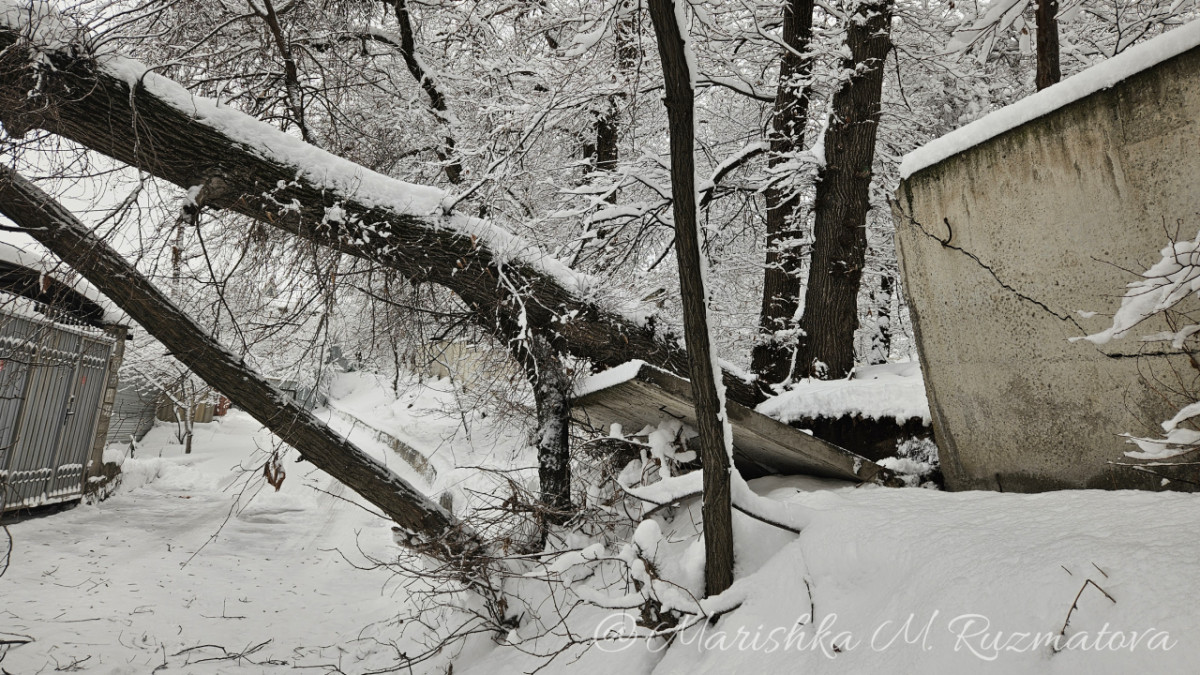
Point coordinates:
[[52, 379], [133, 410]]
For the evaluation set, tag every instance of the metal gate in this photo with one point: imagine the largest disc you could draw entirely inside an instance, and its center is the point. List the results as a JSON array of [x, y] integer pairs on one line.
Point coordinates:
[[52, 378]]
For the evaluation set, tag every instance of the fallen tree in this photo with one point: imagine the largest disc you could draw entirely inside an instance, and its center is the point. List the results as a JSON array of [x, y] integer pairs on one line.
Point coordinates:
[[50, 79], [431, 529]]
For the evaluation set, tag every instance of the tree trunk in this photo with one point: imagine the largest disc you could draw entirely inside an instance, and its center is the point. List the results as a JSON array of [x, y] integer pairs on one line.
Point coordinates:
[[408, 50], [826, 349], [1048, 72], [710, 406], [882, 348], [157, 132], [552, 396], [771, 358], [432, 529]]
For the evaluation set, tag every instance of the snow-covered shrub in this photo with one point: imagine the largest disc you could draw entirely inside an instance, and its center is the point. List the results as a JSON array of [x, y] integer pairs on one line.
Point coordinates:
[[1161, 292]]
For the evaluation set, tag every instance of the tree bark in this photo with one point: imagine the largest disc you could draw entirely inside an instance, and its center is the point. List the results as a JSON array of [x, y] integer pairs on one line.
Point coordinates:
[[771, 359], [77, 98], [432, 530], [710, 408], [826, 349], [1048, 72]]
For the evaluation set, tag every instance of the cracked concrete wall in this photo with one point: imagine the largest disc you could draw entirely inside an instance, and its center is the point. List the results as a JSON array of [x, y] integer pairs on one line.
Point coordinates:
[[1003, 245]]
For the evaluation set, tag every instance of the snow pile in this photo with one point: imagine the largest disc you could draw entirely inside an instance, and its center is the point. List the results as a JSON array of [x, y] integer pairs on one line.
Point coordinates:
[[893, 390], [1097, 78], [898, 581]]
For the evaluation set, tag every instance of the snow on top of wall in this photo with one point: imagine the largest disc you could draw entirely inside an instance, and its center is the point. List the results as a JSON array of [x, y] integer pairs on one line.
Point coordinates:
[[1097, 78], [337, 175], [891, 390]]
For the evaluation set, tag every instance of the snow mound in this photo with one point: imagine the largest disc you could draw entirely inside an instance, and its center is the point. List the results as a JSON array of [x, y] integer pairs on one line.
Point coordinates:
[[893, 390]]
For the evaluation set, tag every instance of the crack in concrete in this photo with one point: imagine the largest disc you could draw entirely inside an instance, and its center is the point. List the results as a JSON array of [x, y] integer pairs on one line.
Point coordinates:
[[946, 244]]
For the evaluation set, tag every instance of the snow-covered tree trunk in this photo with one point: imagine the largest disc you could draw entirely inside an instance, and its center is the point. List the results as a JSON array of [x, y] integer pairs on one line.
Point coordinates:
[[772, 358], [706, 388], [552, 390], [437, 100], [150, 123], [826, 349], [433, 529]]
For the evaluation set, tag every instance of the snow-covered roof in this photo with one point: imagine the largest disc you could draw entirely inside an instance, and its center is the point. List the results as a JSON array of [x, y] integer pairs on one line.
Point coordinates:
[[30, 256], [1097, 78]]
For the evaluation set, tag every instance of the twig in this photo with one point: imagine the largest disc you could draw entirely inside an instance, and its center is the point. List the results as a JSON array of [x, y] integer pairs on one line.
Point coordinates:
[[1075, 605]]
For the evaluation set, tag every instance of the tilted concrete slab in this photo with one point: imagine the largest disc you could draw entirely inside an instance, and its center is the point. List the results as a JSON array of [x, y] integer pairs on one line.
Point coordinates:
[[637, 394], [1007, 244]]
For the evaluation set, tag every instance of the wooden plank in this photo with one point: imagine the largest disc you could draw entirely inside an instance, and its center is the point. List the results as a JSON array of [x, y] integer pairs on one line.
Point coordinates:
[[645, 395]]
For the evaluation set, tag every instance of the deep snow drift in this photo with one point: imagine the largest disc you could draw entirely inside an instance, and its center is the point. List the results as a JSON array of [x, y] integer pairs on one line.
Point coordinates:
[[184, 567]]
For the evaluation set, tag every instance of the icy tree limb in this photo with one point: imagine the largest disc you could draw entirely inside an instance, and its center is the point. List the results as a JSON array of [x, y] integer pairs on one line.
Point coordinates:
[[51, 81], [716, 440], [432, 530]]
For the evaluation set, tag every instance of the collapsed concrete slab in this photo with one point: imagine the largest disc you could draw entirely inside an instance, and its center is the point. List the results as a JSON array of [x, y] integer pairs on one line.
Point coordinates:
[[636, 395], [1012, 231]]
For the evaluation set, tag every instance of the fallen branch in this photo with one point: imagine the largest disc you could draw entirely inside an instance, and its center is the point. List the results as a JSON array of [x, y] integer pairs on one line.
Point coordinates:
[[437, 531], [118, 107]]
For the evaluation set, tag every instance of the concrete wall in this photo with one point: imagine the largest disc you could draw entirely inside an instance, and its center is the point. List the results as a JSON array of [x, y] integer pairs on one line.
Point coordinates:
[[1038, 223]]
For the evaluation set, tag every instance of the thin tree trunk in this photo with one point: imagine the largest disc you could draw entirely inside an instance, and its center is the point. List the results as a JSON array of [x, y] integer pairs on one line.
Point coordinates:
[[883, 319], [826, 349], [710, 406], [432, 529], [1048, 72], [437, 100], [291, 73], [771, 359], [80, 100]]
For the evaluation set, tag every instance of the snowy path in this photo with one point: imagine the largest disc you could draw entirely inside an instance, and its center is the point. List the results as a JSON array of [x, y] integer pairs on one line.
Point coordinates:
[[124, 585]]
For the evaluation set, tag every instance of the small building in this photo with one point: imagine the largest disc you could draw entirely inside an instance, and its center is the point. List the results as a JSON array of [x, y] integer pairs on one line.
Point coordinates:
[[1017, 234], [61, 344]]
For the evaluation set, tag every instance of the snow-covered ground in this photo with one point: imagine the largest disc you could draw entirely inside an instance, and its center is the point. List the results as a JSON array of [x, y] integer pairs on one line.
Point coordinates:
[[195, 559], [182, 567]]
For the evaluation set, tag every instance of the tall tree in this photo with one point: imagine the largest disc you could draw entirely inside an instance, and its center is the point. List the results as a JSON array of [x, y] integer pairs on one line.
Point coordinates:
[[772, 357], [707, 391], [826, 347], [1048, 72]]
